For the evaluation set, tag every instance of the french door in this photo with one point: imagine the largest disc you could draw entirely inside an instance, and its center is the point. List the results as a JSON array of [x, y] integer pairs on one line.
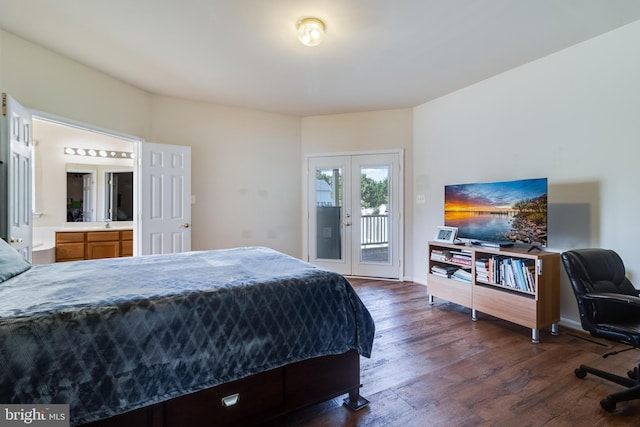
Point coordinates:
[[354, 212], [15, 173]]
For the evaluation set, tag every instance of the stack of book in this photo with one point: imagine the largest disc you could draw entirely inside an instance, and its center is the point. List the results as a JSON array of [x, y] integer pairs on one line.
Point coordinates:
[[482, 270], [462, 257], [440, 255], [462, 275], [443, 270]]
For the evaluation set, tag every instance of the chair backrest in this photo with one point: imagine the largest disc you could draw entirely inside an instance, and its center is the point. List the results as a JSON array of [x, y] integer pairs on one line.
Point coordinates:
[[597, 270]]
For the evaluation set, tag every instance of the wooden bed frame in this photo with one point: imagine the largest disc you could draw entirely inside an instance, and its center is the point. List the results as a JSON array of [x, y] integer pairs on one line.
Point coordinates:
[[255, 399]]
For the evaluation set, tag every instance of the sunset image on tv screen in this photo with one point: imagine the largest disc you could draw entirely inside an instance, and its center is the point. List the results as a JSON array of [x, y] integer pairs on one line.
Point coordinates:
[[510, 211]]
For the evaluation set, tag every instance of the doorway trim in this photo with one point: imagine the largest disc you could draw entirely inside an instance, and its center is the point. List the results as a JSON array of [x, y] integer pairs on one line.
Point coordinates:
[[305, 199], [41, 115]]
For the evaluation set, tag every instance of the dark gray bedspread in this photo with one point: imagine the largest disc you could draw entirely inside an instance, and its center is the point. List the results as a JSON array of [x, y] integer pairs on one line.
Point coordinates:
[[108, 336]]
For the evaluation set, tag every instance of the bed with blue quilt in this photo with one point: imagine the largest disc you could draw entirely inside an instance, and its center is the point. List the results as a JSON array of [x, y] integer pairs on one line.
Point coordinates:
[[244, 333]]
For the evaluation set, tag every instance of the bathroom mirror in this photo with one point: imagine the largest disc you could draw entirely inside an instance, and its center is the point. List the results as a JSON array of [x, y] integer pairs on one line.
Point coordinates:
[[99, 193]]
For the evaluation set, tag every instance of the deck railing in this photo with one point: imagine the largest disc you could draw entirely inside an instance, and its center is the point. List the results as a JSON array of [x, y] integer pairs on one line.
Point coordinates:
[[374, 230]]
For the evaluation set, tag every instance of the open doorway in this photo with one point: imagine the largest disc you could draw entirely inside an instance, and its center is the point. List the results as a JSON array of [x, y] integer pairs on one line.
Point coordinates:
[[72, 166], [71, 172]]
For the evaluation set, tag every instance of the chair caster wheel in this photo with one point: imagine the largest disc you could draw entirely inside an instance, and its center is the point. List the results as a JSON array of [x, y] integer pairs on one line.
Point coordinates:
[[580, 373], [608, 405]]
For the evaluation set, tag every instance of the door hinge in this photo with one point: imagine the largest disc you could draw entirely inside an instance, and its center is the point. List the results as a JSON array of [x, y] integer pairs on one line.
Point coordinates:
[[4, 104]]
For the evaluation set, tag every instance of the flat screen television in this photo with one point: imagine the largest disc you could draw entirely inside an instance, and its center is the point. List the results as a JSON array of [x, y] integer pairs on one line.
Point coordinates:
[[499, 212]]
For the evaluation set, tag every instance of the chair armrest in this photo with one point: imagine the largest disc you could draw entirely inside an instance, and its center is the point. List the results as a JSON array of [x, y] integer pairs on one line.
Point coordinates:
[[611, 297]]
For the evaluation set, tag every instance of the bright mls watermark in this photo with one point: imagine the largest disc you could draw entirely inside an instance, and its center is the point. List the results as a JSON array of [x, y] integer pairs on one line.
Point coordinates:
[[34, 415]]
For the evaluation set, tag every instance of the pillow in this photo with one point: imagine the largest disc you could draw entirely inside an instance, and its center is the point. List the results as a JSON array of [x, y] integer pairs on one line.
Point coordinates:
[[11, 262]]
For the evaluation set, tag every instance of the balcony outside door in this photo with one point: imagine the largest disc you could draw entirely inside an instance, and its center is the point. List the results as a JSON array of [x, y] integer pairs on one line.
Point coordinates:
[[354, 211]]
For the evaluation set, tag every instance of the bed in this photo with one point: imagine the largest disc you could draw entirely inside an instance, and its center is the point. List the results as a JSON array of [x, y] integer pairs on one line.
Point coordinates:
[[242, 335]]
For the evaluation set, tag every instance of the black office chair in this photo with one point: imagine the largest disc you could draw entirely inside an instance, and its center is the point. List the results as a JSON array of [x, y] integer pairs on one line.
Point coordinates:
[[609, 308]]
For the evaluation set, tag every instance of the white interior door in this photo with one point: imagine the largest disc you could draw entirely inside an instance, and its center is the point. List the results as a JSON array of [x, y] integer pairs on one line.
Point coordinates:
[[165, 197], [16, 157], [354, 211]]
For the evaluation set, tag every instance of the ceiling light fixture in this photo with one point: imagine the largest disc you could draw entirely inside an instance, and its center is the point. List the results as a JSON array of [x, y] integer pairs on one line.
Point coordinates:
[[310, 31], [72, 151]]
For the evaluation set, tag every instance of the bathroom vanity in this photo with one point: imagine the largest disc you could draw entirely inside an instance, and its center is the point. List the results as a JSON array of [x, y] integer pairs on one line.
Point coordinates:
[[93, 244]]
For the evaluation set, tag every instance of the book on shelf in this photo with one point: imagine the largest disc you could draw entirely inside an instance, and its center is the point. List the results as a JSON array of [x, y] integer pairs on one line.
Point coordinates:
[[482, 263], [462, 275], [512, 273], [461, 256], [440, 255], [482, 270], [461, 260], [443, 270], [484, 278]]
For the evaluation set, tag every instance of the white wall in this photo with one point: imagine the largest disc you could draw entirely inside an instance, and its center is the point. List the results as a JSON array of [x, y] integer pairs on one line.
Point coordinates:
[[246, 173], [368, 131], [42, 80], [573, 117]]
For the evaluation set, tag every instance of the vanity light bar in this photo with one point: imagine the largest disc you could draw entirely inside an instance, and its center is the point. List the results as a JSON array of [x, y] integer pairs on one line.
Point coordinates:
[[90, 152]]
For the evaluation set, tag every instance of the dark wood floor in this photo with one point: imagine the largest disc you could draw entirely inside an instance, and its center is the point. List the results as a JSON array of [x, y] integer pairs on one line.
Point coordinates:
[[433, 366]]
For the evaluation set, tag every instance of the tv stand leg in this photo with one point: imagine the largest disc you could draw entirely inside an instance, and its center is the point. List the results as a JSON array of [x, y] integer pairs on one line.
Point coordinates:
[[535, 335], [554, 329], [474, 315], [430, 299]]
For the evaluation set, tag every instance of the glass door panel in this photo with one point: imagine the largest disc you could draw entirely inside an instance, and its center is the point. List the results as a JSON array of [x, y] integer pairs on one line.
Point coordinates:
[[329, 203], [374, 214]]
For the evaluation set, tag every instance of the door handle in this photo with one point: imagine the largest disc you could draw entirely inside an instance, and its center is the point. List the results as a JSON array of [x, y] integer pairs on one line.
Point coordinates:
[[186, 225]]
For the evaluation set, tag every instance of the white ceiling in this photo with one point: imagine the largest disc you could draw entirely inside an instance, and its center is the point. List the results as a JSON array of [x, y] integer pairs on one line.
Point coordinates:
[[378, 54]]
